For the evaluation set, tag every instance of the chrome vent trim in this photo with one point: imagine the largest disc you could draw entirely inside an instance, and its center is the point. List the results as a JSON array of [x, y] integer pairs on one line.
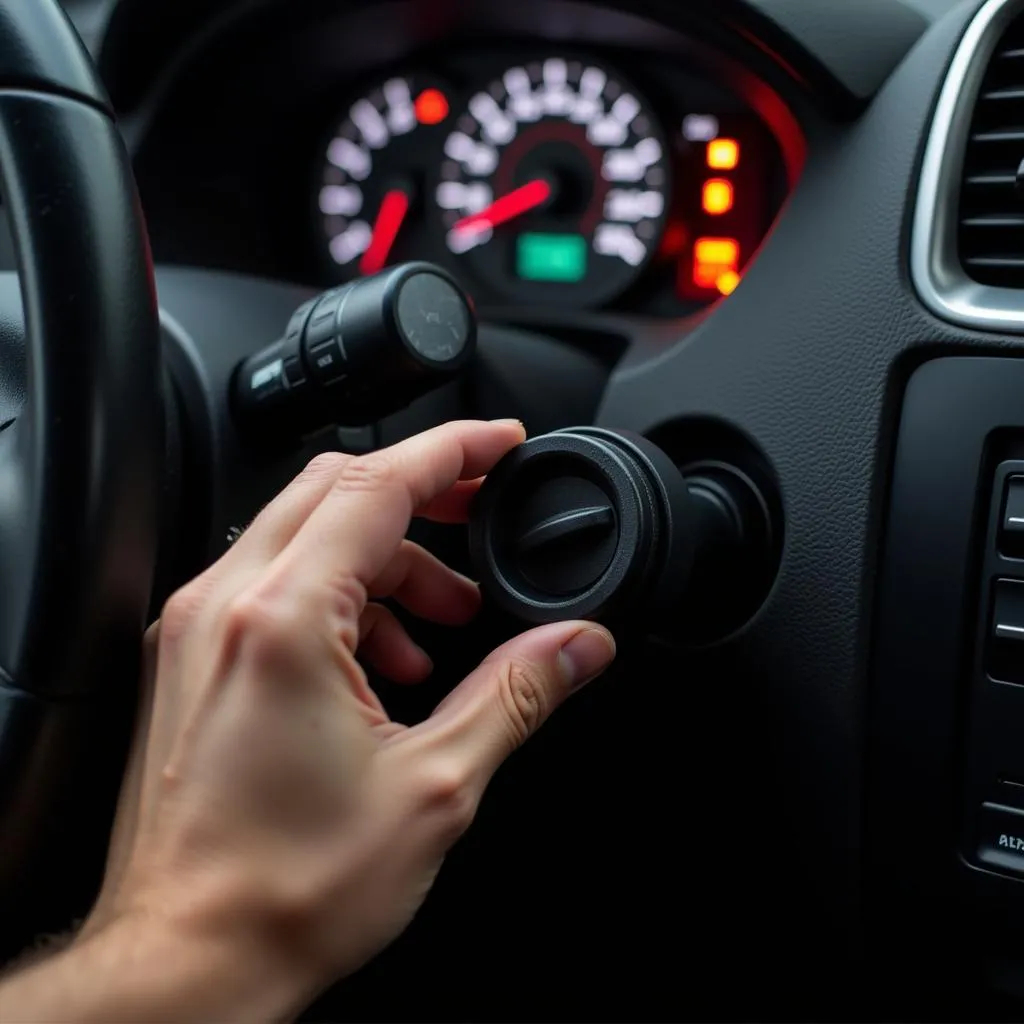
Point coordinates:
[[935, 268]]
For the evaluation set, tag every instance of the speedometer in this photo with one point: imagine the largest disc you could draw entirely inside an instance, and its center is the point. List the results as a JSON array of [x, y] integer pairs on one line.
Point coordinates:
[[555, 182]]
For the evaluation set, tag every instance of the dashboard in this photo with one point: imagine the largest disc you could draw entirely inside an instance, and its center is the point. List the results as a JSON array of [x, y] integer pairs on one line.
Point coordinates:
[[550, 177], [562, 156], [737, 189]]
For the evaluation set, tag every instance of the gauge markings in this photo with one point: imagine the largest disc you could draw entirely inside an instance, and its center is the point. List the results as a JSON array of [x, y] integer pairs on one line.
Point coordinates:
[[573, 131], [369, 197]]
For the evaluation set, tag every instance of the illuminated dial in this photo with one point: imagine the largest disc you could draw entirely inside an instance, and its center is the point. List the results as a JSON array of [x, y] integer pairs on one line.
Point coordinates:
[[370, 199], [555, 182]]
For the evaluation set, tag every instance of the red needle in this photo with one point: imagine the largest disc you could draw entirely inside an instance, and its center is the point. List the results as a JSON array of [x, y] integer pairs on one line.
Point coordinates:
[[393, 208], [515, 204]]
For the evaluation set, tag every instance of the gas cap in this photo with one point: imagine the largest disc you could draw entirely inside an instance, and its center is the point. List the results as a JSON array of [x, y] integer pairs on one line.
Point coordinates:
[[583, 523]]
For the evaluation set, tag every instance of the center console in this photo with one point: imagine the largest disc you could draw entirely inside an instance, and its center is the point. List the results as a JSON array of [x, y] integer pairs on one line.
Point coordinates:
[[945, 801]]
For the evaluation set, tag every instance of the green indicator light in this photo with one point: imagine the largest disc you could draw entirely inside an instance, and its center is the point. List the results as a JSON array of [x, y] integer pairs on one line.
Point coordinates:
[[551, 257]]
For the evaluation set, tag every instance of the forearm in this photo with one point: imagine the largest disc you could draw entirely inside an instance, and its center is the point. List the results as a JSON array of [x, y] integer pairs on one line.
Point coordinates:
[[134, 973]]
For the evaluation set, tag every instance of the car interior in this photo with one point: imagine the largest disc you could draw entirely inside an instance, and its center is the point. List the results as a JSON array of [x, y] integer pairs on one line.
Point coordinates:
[[751, 273]]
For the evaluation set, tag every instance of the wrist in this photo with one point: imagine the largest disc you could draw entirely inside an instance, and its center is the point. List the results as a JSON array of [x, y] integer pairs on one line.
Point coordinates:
[[143, 969], [206, 975]]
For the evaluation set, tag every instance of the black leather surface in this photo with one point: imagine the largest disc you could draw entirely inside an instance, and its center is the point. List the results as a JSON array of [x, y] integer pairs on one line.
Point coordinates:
[[60, 761], [39, 49], [80, 469], [84, 460], [12, 350]]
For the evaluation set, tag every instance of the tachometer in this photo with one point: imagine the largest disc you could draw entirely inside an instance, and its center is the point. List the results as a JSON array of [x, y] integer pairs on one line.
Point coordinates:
[[555, 183], [371, 196]]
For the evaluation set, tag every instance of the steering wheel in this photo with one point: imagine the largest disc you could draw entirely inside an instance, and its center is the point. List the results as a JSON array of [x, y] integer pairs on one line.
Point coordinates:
[[81, 427]]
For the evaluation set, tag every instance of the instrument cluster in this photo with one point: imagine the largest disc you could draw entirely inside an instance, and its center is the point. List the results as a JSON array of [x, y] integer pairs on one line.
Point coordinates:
[[550, 178]]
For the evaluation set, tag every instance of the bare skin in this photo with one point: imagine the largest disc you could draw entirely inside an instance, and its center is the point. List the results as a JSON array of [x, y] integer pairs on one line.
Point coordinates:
[[276, 829]]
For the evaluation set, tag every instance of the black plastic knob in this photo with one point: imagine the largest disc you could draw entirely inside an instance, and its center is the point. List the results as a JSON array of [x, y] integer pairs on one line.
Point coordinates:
[[583, 523], [358, 353], [599, 524]]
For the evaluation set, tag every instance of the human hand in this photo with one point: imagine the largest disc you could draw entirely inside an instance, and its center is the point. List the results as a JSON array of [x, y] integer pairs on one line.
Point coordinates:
[[271, 807]]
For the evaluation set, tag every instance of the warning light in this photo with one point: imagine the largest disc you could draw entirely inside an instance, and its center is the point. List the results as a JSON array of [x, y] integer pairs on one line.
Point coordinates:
[[431, 107], [551, 257], [717, 196], [727, 282], [674, 240], [713, 259], [723, 154]]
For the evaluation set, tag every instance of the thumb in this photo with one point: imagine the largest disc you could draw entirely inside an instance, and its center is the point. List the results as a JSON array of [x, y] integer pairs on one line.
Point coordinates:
[[504, 701]]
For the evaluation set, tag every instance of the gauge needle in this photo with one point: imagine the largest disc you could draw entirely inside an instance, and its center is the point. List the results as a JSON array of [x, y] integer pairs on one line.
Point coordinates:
[[517, 202], [393, 209]]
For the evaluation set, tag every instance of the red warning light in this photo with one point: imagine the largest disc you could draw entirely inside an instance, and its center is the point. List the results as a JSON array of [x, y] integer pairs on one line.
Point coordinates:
[[431, 107], [674, 240]]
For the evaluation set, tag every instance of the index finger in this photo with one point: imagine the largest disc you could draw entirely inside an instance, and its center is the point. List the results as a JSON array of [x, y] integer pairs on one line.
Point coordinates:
[[357, 527]]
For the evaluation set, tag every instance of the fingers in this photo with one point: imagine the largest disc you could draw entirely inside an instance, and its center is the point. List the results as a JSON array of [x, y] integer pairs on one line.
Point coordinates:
[[356, 529], [453, 505], [425, 586], [279, 521], [477, 444], [500, 705], [385, 644]]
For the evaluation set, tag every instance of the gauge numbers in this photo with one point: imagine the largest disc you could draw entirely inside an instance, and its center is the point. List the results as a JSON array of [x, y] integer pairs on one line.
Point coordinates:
[[554, 183], [371, 194]]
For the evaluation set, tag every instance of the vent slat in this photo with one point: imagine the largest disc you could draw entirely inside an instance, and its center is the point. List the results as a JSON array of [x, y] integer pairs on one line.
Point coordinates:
[[994, 220], [1003, 96], [988, 180], [1011, 135], [991, 215], [997, 262]]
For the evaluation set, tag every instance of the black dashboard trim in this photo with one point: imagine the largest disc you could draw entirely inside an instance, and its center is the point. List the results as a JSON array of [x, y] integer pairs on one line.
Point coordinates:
[[844, 41], [785, 37]]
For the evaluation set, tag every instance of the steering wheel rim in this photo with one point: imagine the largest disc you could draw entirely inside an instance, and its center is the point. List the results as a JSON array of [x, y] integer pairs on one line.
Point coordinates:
[[80, 460]]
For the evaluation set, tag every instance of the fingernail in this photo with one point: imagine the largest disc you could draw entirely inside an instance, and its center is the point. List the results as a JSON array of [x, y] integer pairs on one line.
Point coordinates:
[[508, 423], [586, 655]]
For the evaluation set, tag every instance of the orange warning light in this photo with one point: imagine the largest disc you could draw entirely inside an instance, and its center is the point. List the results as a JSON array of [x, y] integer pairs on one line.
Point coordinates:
[[727, 282], [431, 107], [712, 259], [723, 154], [717, 196]]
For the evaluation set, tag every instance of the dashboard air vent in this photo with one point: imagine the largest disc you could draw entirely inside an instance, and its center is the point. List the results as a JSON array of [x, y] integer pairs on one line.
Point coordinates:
[[991, 229]]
